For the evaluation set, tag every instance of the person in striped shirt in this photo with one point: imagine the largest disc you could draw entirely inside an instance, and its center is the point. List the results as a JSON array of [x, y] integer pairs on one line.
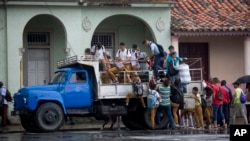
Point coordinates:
[[164, 91]]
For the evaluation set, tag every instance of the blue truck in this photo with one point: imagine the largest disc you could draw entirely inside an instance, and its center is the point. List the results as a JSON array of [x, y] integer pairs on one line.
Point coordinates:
[[76, 90]]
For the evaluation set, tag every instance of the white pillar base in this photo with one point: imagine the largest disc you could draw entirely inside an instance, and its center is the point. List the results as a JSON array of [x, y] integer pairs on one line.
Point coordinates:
[[247, 55], [175, 43]]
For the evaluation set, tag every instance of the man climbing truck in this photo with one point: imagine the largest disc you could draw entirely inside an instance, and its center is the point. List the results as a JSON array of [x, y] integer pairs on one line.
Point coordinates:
[[77, 90]]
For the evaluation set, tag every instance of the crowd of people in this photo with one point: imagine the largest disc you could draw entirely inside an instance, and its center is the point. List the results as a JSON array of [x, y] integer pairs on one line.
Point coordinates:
[[167, 87], [209, 110]]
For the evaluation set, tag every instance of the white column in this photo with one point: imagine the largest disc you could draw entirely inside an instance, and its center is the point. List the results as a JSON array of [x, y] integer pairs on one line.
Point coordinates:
[[175, 43], [246, 55]]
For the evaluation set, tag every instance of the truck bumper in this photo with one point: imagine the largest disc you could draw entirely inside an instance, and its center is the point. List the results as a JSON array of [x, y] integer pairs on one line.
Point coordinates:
[[14, 113]]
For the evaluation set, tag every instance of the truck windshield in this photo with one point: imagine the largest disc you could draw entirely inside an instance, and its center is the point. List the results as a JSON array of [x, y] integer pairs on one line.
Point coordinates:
[[59, 77]]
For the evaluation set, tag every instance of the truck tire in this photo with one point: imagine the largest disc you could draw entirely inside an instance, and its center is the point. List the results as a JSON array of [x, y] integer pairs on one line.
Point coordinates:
[[134, 120], [49, 117], [29, 123], [164, 121]]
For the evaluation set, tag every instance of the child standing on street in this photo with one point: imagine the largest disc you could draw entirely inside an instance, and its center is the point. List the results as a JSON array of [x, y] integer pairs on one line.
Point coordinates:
[[198, 117], [153, 100]]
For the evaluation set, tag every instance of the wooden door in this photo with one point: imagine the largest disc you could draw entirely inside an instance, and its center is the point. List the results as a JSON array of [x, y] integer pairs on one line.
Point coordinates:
[[196, 50]]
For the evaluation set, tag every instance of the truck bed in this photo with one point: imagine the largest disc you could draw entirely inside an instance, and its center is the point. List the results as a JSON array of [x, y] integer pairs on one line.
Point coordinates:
[[110, 91]]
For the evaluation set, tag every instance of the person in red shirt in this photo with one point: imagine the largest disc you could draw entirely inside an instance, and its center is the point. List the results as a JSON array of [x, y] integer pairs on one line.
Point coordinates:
[[217, 103], [226, 101]]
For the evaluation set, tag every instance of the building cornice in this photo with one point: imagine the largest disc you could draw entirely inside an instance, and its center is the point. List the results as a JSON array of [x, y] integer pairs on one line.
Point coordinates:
[[85, 3]]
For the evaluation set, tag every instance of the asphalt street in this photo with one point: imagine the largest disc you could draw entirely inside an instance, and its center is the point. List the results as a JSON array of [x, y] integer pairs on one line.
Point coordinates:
[[120, 135]]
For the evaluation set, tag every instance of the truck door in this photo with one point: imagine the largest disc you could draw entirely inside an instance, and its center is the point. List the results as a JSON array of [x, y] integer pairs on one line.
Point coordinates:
[[77, 91]]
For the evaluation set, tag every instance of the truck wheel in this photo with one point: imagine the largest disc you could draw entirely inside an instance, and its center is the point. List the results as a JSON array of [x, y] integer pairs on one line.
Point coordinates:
[[29, 123], [133, 123], [49, 117], [134, 119], [162, 124]]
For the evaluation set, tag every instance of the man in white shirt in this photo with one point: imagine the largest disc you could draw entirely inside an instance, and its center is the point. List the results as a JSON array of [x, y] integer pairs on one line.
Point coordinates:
[[122, 59], [184, 75], [142, 61], [99, 53], [4, 104], [134, 61]]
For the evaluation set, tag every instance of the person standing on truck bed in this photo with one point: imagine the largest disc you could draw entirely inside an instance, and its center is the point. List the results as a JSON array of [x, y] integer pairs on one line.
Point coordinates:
[[134, 61], [99, 53], [122, 58], [155, 54]]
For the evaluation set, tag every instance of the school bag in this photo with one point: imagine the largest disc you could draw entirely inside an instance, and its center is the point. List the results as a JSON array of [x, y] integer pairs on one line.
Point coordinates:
[[176, 95], [8, 96], [161, 49], [243, 97], [220, 95], [96, 47], [203, 103], [151, 99], [138, 89], [208, 91], [171, 70]]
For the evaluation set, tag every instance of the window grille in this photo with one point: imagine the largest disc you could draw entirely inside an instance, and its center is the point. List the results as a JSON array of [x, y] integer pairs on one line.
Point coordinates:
[[38, 38], [107, 39]]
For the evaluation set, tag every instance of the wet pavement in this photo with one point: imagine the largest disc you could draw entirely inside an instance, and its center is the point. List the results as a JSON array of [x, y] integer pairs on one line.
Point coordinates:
[[90, 131], [94, 134]]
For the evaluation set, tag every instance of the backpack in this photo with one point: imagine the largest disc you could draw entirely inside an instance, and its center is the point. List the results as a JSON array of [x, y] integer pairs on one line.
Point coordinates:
[[151, 100], [8, 96], [203, 103], [230, 92], [208, 91], [97, 47], [220, 95], [138, 89], [119, 51], [176, 95], [161, 49], [172, 71], [242, 97]]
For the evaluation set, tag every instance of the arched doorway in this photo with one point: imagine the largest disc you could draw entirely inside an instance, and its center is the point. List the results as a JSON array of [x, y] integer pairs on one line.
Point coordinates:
[[122, 28], [44, 40]]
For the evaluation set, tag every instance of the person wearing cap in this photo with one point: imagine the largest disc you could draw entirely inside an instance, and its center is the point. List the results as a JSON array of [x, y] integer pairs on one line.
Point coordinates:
[[237, 105], [184, 74]]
